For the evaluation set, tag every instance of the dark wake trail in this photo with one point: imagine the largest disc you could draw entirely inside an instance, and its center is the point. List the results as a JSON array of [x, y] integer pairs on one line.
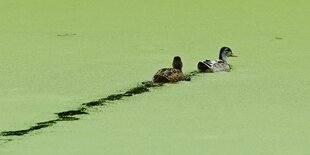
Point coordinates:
[[82, 110]]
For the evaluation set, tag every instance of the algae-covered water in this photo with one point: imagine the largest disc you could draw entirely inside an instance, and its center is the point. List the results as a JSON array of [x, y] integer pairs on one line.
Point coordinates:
[[56, 55]]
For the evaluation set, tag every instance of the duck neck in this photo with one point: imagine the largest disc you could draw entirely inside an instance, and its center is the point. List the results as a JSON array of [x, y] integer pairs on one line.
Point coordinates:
[[223, 56], [177, 65]]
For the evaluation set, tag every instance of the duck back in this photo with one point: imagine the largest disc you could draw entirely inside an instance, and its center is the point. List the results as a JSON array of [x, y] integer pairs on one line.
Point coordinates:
[[166, 75]]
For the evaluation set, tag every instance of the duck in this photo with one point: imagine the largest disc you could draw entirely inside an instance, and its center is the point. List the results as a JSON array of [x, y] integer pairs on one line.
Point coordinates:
[[171, 75], [217, 65]]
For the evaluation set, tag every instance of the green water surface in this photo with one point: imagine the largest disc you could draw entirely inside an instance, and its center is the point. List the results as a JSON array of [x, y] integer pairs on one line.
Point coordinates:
[[57, 54]]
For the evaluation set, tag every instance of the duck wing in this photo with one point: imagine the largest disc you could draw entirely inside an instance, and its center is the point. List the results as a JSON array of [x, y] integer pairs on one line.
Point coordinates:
[[204, 65], [212, 65]]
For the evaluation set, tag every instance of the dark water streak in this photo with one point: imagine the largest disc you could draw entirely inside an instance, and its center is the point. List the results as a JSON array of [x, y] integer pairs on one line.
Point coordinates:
[[70, 114]]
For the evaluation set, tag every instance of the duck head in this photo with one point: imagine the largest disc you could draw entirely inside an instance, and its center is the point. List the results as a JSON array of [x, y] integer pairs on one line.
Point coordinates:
[[177, 63], [226, 52]]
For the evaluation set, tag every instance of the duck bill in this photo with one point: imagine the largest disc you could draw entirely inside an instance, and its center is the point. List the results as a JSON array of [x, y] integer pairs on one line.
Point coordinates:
[[233, 55]]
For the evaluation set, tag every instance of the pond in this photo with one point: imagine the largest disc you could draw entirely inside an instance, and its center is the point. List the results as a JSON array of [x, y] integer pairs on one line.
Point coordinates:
[[57, 55]]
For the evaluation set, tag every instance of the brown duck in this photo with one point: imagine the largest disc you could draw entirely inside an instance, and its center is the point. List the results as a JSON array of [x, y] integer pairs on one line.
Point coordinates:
[[175, 74]]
